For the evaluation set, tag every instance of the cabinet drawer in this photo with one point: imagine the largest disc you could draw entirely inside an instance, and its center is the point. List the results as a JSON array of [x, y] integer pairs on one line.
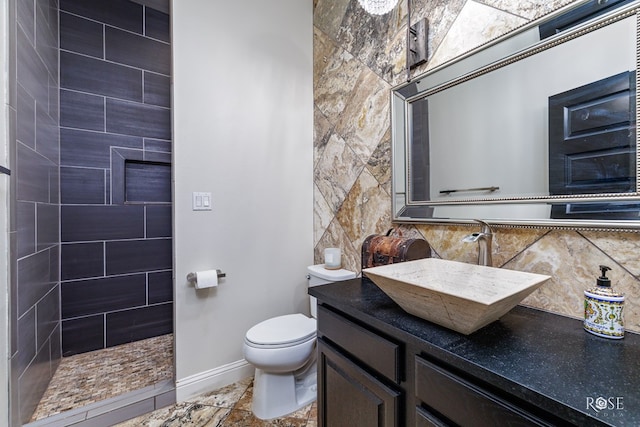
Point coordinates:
[[425, 419], [373, 350], [465, 403]]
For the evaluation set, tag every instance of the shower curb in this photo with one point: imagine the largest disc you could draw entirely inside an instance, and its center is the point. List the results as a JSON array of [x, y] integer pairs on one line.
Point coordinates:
[[115, 410]]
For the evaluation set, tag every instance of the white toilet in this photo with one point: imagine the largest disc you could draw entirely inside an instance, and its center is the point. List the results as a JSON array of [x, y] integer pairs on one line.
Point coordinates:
[[282, 349]]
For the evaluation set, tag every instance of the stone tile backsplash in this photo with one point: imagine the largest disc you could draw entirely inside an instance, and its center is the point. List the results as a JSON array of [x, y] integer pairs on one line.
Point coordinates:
[[357, 59]]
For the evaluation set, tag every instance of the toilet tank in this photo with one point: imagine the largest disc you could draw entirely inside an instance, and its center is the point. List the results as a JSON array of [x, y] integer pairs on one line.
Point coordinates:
[[318, 275]]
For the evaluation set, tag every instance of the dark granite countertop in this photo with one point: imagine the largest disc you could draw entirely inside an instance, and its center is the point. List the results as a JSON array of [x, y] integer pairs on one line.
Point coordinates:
[[544, 359]]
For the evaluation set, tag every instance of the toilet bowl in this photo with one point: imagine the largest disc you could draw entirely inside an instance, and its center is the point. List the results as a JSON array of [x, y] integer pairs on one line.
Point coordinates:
[[283, 351]]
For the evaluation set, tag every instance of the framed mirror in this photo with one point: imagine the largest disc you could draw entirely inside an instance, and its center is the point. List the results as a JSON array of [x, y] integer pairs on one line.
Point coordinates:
[[536, 128]]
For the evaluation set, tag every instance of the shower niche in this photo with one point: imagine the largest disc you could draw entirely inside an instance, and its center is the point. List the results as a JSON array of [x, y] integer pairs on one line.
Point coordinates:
[[147, 182], [140, 177]]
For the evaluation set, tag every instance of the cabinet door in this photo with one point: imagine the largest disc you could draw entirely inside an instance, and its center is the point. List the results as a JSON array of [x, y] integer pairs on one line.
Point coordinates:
[[592, 147], [351, 397]]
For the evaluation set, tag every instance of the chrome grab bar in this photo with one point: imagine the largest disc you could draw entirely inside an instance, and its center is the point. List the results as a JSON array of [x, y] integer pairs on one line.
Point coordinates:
[[470, 189]]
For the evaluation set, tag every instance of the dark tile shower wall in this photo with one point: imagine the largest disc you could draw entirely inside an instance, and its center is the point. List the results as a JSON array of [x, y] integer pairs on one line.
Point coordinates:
[[34, 193], [115, 174]]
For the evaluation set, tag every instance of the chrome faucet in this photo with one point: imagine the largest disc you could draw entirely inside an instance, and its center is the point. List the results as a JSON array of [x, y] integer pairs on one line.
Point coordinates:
[[483, 238]]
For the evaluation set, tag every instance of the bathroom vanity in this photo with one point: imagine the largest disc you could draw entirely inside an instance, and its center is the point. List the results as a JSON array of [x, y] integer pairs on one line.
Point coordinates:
[[379, 366]]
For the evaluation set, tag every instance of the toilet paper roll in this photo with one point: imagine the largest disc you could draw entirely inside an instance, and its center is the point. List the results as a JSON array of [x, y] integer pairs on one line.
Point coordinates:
[[206, 279]]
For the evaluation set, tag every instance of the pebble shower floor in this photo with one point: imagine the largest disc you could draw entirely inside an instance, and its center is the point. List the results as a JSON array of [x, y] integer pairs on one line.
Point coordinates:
[[92, 377]]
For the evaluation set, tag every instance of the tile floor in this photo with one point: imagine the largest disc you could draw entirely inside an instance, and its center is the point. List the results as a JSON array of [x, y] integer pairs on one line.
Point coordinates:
[[87, 378], [227, 407]]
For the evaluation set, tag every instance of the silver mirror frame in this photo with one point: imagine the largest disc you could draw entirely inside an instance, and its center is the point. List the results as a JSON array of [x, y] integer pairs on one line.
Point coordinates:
[[462, 69]]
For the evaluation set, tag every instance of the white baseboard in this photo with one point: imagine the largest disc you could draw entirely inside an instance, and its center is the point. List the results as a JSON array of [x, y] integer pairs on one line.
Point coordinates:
[[206, 381]]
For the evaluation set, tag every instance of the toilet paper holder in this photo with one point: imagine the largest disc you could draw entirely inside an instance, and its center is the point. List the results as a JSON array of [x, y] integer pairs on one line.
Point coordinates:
[[192, 277]]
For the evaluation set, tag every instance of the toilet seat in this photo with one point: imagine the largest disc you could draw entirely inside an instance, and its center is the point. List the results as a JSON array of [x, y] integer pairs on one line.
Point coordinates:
[[282, 331]]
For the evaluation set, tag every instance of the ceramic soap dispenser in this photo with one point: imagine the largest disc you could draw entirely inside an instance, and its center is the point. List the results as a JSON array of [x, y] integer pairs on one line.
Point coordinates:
[[603, 306]]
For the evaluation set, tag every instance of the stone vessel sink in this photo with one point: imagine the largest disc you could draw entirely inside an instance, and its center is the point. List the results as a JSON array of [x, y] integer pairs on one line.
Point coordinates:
[[459, 296]]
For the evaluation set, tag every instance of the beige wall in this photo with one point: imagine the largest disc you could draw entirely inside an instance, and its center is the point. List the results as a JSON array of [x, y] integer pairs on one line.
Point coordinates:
[[357, 59], [230, 67]]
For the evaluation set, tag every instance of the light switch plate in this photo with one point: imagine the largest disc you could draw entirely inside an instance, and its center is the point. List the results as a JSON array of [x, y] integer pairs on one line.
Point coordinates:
[[202, 201]]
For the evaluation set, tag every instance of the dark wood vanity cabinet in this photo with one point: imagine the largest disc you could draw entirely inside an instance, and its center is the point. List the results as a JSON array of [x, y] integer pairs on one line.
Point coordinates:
[[380, 366], [367, 378]]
